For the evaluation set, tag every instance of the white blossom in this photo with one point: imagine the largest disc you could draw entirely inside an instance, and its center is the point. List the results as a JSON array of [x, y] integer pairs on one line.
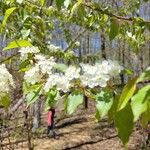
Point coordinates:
[[45, 65], [24, 51], [6, 80], [90, 76], [51, 82], [40, 57], [77, 43], [115, 68], [33, 75], [100, 73], [53, 47], [72, 72], [60, 81], [63, 84]]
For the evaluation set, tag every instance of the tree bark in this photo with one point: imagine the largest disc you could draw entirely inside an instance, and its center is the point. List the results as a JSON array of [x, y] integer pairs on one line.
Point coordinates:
[[103, 46], [37, 116]]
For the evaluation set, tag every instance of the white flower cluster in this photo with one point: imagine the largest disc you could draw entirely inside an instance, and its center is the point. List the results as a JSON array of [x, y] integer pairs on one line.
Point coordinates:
[[45, 64], [89, 75], [33, 75], [24, 51], [6, 80], [62, 81], [42, 67], [100, 73], [53, 47]]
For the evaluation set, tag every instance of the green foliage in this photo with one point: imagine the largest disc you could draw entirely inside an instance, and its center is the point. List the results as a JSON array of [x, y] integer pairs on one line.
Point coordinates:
[[51, 100], [139, 102], [31, 92], [5, 101], [24, 65], [7, 14], [104, 101], [127, 93], [42, 2], [17, 44], [145, 118], [32, 22], [127, 71], [114, 29], [75, 6], [72, 102], [33, 96], [59, 3], [124, 123], [145, 76], [112, 111]]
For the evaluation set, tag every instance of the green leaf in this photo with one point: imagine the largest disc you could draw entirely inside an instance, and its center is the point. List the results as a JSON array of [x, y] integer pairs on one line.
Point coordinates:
[[33, 96], [59, 3], [42, 2], [73, 101], [112, 111], [144, 76], [17, 43], [24, 64], [5, 101], [114, 29], [124, 123], [7, 14], [104, 101], [127, 93], [139, 102], [60, 67], [81, 11], [145, 118], [75, 6], [27, 88], [52, 98], [127, 72]]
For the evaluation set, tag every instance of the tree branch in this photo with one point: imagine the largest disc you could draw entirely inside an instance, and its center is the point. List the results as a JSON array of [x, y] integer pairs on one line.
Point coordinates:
[[74, 40], [112, 15], [8, 58]]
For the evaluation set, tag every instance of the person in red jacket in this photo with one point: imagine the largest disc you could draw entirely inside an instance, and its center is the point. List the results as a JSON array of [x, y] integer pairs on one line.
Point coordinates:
[[50, 122]]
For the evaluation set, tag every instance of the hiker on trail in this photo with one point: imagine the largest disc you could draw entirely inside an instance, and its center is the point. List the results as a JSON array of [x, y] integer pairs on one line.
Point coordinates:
[[50, 122]]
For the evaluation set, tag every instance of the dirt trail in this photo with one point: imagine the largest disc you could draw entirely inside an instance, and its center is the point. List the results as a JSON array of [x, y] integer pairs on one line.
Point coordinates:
[[83, 133]]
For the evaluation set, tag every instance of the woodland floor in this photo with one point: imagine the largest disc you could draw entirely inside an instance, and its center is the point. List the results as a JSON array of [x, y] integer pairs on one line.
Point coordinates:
[[81, 132]]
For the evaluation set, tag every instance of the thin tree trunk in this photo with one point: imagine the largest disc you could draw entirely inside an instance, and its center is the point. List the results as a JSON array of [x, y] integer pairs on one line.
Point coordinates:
[[85, 102], [103, 47], [37, 116], [123, 62]]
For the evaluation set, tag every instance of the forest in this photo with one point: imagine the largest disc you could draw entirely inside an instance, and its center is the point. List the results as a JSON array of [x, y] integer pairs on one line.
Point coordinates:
[[74, 74]]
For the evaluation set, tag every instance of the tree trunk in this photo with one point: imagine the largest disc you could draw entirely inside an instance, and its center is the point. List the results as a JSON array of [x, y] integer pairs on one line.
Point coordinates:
[[85, 102], [103, 47], [37, 116]]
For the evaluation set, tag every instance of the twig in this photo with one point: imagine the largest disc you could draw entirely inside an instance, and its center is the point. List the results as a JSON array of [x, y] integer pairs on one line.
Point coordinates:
[[8, 58], [75, 39], [112, 15]]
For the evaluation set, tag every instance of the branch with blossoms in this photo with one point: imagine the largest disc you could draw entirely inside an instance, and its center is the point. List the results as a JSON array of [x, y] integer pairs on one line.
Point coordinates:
[[44, 75], [50, 75]]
